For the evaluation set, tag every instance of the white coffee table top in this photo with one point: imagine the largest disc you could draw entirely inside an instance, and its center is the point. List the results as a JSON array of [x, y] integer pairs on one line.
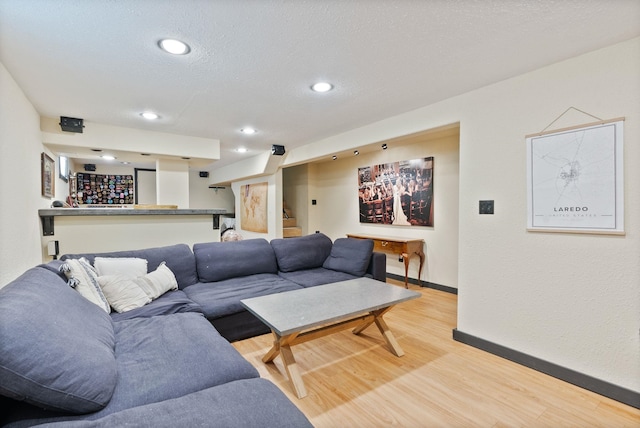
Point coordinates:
[[297, 310]]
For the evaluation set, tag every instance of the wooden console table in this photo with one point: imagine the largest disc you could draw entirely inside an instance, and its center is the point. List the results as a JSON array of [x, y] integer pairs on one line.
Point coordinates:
[[404, 247]]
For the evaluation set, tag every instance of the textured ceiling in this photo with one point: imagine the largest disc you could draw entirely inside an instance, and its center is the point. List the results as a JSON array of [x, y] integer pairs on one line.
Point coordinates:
[[252, 61]]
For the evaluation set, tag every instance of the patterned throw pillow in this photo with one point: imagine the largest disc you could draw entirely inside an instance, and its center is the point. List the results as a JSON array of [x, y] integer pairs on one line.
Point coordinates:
[[158, 282], [83, 277]]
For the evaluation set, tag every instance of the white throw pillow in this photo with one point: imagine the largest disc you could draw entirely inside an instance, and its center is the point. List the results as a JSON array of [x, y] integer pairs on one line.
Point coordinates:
[[158, 282], [122, 292], [83, 277], [127, 266]]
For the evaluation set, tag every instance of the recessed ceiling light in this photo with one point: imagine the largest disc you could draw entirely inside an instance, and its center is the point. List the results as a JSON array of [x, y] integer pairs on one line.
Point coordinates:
[[241, 150], [355, 152], [96, 150], [248, 130], [384, 146], [149, 115], [173, 46], [322, 87], [125, 163], [108, 157], [185, 158], [334, 157]]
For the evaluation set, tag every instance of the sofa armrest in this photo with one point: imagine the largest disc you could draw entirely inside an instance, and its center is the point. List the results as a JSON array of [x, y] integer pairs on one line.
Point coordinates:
[[378, 266]]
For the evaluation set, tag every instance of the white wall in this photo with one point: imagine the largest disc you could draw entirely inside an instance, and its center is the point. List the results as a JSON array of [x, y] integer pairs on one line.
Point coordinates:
[[295, 188], [20, 149], [570, 299], [573, 300], [203, 197], [172, 182], [334, 185], [97, 135], [80, 234], [146, 187]]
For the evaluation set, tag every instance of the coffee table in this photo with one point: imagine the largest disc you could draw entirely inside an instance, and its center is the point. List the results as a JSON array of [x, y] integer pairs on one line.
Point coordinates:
[[298, 316]]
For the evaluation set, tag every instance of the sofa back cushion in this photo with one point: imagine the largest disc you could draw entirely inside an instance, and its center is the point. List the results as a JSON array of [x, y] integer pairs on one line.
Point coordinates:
[[300, 253], [350, 255], [179, 259], [57, 349], [217, 261]]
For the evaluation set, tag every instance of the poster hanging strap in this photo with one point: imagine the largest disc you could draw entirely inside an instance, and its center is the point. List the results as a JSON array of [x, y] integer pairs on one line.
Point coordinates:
[[599, 122]]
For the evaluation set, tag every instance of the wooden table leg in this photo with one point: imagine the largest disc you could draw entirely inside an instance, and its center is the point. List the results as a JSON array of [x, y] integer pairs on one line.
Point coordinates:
[[405, 258], [274, 351], [389, 337], [291, 366], [281, 346], [420, 254], [384, 330]]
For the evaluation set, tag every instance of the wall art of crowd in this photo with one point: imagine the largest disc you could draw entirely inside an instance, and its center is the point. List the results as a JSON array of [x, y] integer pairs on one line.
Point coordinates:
[[397, 193]]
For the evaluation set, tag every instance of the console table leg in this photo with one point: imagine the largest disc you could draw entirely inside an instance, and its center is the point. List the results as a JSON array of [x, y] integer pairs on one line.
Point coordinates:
[[405, 258], [421, 255]]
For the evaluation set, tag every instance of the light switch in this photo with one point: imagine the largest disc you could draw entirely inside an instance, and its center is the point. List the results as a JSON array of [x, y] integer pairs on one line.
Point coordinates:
[[486, 207]]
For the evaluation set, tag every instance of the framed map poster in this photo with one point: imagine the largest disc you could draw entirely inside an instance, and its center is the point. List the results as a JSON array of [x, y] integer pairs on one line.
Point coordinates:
[[253, 207], [575, 179]]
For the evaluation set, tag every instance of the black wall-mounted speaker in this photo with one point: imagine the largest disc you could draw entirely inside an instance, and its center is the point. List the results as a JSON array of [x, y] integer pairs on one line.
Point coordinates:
[[89, 166], [204, 174], [277, 150], [71, 124]]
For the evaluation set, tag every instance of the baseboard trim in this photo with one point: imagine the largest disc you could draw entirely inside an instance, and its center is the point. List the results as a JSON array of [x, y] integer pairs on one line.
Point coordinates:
[[424, 284], [615, 392]]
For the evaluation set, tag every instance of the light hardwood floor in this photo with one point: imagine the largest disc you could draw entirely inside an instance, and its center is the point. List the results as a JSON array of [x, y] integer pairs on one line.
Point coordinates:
[[354, 381]]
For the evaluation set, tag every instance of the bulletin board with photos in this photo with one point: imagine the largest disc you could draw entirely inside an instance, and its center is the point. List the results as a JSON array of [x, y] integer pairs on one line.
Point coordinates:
[[105, 189]]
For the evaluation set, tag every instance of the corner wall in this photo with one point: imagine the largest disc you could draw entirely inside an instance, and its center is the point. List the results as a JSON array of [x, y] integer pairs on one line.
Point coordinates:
[[20, 148]]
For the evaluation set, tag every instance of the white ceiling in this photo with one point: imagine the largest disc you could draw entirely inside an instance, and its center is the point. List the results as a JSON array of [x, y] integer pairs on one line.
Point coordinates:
[[252, 61]]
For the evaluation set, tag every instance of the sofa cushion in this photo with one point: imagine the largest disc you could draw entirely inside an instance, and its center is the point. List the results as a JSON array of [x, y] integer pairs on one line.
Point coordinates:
[[132, 267], [166, 357], [217, 261], [247, 403], [350, 255], [57, 349], [317, 276], [179, 259], [304, 252], [83, 278], [223, 297], [171, 302]]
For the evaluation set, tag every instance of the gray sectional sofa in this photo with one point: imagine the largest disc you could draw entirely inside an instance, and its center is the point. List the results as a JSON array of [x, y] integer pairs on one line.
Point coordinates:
[[64, 361]]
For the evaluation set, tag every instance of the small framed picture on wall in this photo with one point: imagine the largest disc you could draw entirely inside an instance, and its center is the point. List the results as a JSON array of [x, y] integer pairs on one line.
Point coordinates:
[[48, 177]]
